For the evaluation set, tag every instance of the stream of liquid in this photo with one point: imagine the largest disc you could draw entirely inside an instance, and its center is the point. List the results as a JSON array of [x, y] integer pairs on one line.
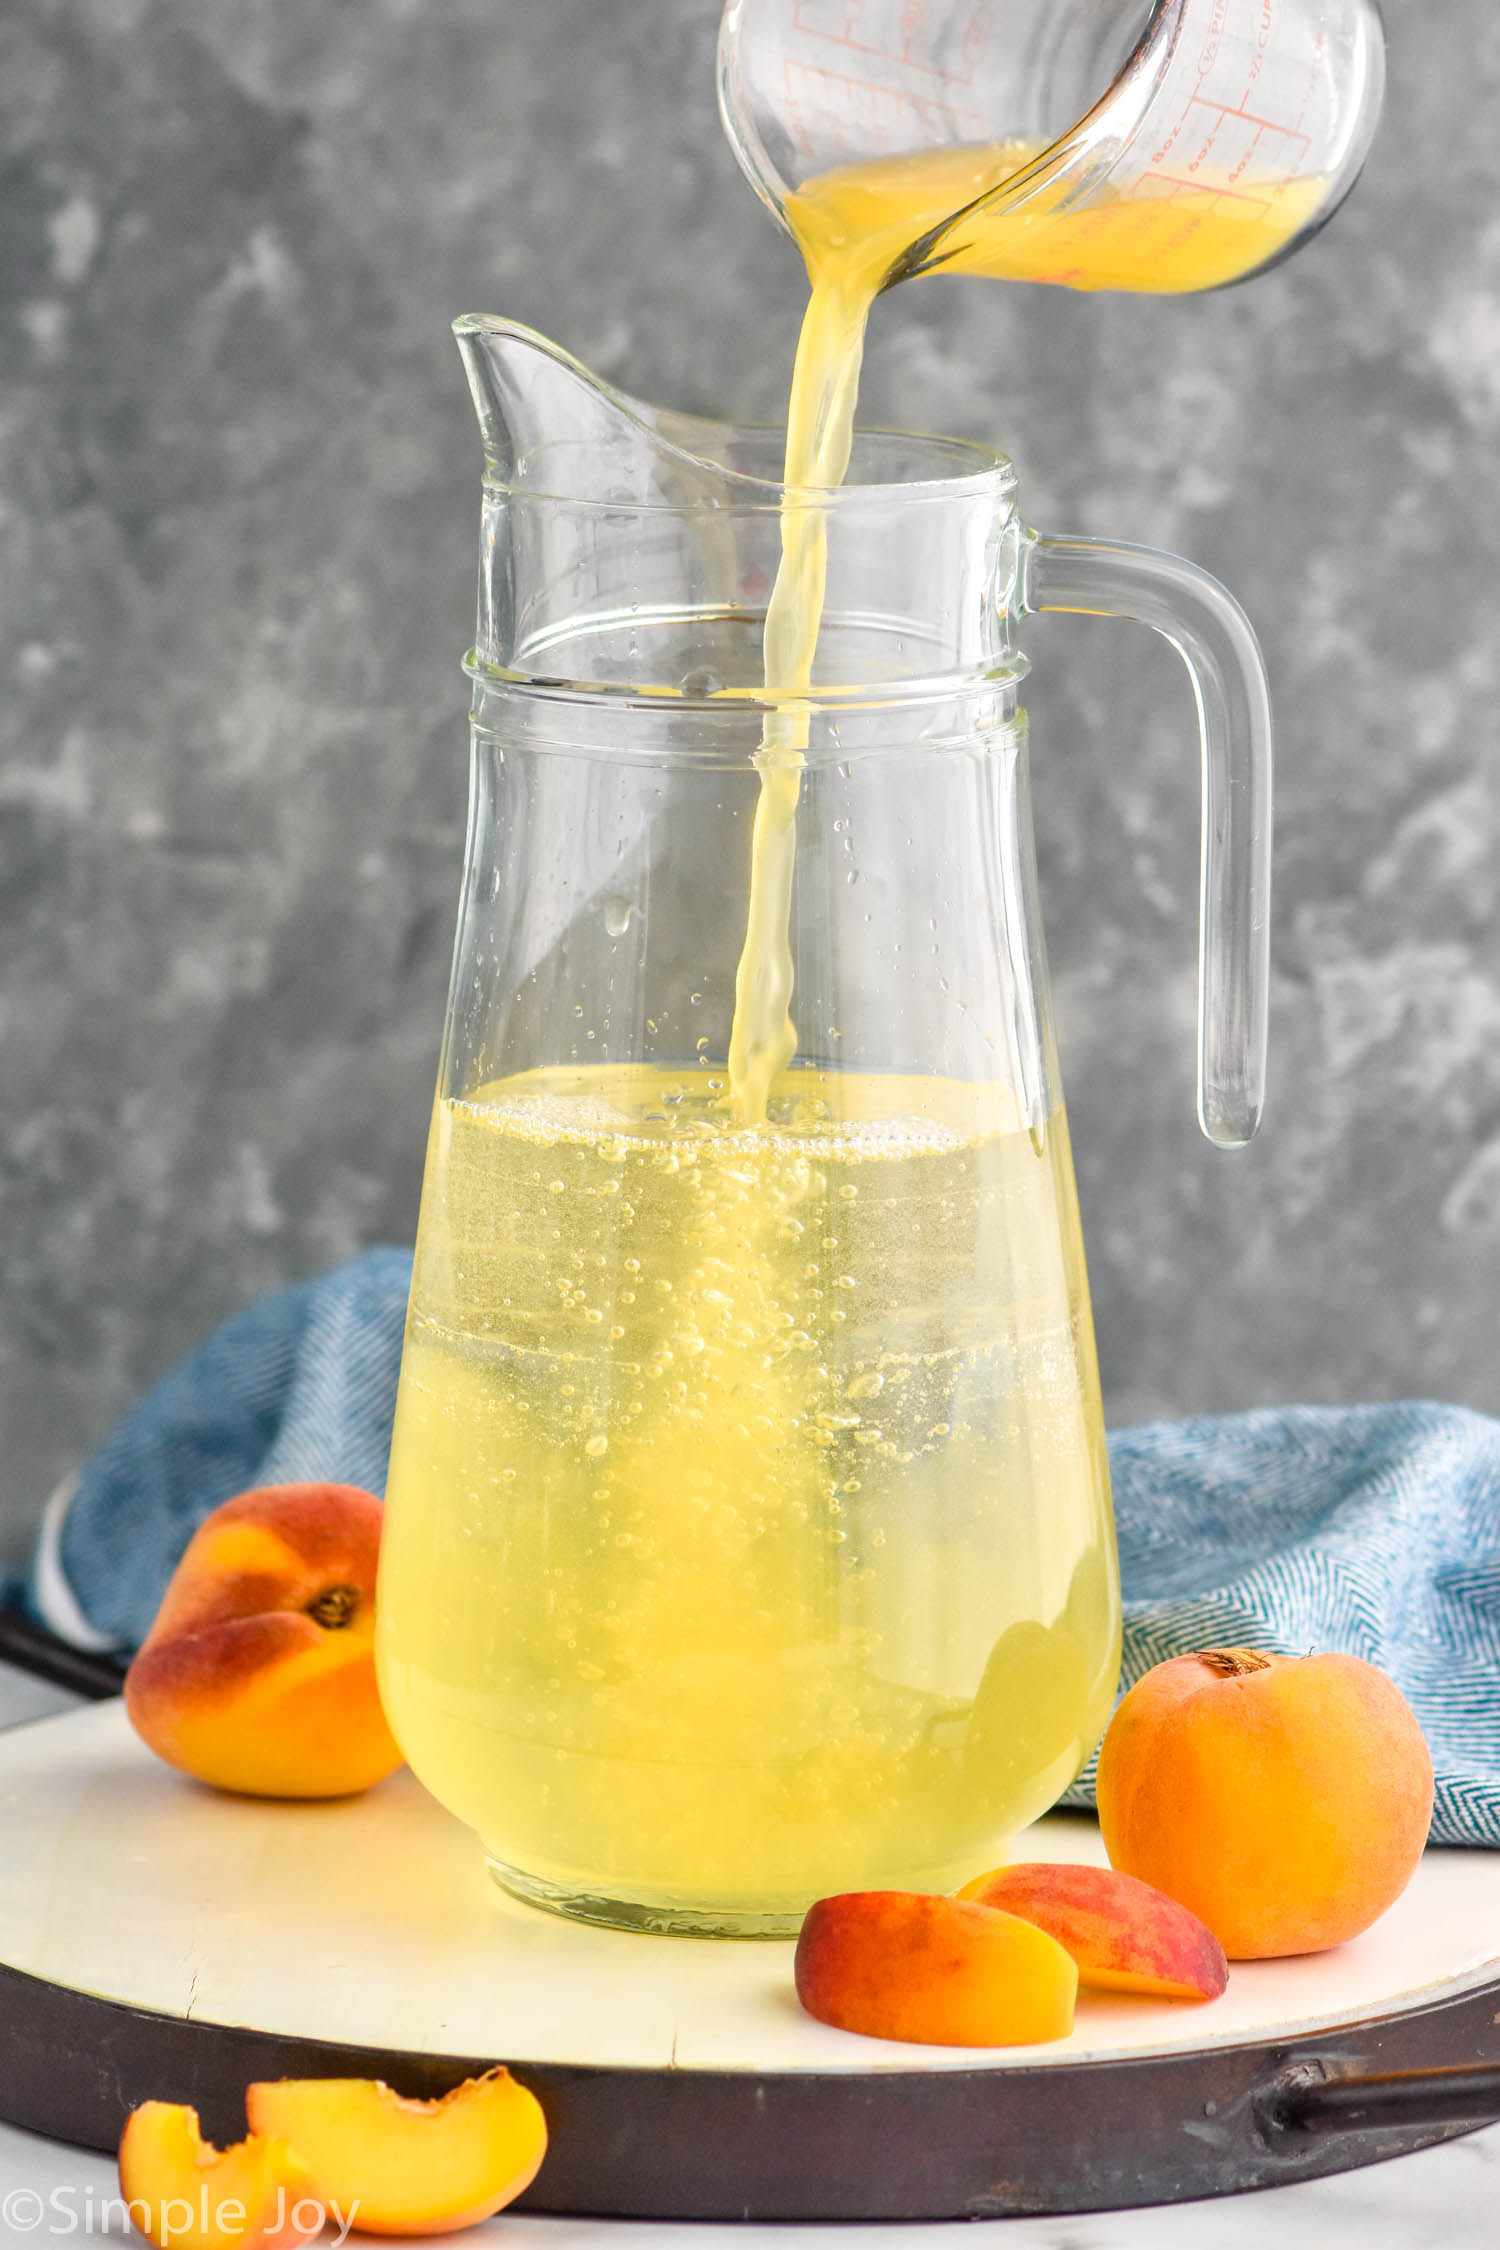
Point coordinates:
[[854, 226], [747, 1532]]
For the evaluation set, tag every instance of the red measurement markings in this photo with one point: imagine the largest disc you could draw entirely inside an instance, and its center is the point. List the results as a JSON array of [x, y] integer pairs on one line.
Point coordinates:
[[832, 108], [1211, 37], [950, 248], [1201, 202], [1266, 124], [1084, 228], [1203, 192], [889, 32], [1316, 96], [1282, 149], [1314, 86], [1315, 89], [1262, 45], [1240, 140]]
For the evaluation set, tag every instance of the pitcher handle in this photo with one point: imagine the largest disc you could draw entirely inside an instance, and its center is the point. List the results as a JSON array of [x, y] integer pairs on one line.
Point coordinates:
[[1217, 643]]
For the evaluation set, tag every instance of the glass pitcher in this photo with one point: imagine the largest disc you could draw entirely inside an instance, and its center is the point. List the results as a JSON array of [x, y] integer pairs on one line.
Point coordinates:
[[748, 1532]]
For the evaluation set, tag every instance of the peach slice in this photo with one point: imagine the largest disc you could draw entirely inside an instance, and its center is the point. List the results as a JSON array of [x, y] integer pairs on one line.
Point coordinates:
[[944, 1972], [408, 2167], [1124, 1936], [258, 1674], [182, 2193]]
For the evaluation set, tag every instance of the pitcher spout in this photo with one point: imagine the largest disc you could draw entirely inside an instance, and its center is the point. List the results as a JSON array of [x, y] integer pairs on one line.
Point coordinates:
[[570, 466], [550, 425], [626, 544]]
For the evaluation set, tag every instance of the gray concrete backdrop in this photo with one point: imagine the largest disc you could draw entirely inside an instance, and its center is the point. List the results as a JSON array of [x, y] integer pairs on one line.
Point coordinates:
[[240, 486]]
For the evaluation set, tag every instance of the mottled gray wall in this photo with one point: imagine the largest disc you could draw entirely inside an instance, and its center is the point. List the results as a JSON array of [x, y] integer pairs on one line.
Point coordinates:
[[239, 497]]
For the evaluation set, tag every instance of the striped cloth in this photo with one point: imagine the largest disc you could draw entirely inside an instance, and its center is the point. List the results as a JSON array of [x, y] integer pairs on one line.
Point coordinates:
[[1372, 1529]]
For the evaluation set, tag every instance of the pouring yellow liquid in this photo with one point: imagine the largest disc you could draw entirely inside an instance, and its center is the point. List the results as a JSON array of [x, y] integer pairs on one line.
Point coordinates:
[[748, 1534], [856, 227], [1163, 238]]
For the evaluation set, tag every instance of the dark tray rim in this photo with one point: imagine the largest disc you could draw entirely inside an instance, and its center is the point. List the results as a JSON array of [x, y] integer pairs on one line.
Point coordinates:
[[688, 2144]]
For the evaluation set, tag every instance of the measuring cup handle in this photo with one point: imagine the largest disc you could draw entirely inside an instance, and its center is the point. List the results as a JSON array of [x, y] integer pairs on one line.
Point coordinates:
[[1216, 641]]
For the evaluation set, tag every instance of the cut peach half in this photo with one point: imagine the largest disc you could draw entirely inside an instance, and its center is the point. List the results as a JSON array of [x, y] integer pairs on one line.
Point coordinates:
[[182, 2193], [394, 2166], [1124, 1935]]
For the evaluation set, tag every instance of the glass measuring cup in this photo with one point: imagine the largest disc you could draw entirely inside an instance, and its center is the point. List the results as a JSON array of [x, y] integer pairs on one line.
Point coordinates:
[[1138, 144]]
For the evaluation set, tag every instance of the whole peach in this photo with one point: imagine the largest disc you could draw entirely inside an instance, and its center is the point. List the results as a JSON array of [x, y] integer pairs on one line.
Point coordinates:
[[258, 1674], [1284, 1800]]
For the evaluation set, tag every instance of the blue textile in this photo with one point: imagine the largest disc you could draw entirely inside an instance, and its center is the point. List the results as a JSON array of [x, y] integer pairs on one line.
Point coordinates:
[[1373, 1529], [1370, 1529], [299, 1389]]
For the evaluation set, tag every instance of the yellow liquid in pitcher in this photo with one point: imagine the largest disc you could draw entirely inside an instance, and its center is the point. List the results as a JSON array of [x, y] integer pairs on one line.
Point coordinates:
[[748, 1535]]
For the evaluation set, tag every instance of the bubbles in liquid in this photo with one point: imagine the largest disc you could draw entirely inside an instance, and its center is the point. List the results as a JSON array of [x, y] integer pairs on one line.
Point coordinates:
[[700, 683], [617, 914], [705, 1500]]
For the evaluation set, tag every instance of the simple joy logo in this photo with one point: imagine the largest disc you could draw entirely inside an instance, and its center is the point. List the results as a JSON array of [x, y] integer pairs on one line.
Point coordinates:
[[176, 2220]]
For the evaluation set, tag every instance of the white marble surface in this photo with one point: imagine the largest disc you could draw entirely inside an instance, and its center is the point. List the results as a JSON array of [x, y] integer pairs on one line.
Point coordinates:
[[1448, 2196], [1444, 2199]]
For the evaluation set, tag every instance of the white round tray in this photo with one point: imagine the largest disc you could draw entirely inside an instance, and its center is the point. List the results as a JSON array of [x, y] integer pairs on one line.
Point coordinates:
[[200, 1940]]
